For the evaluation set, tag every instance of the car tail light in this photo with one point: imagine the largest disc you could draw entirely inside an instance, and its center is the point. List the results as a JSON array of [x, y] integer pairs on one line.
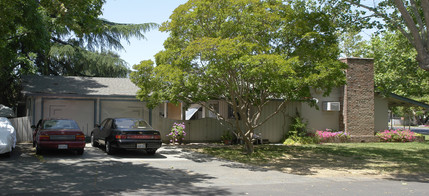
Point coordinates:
[[121, 137], [144, 137], [80, 137], [44, 137]]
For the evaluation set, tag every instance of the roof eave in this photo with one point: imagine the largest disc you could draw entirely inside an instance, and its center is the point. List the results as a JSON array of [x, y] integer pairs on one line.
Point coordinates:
[[403, 101]]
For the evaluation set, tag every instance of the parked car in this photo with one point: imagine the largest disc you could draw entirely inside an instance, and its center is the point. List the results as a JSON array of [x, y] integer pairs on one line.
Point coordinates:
[[61, 134], [7, 137], [126, 133]]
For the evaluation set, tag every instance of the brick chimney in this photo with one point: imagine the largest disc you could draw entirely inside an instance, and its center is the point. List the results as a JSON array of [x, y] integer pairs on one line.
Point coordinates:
[[358, 101]]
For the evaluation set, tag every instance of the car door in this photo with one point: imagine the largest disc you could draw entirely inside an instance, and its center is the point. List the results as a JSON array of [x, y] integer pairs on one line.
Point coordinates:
[[36, 130], [97, 130], [105, 130]]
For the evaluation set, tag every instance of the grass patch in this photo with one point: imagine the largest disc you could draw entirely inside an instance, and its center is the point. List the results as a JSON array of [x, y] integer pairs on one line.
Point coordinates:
[[371, 158]]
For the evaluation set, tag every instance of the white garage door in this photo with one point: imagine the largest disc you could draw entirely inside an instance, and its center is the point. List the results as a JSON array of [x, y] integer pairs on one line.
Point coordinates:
[[124, 109], [82, 111]]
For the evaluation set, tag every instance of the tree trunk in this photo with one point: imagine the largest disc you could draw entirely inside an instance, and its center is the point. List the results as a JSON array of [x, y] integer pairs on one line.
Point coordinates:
[[423, 59], [414, 34], [249, 147], [248, 142]]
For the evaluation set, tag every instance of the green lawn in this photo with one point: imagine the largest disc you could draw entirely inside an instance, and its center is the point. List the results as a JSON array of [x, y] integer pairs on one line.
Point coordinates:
[[370, 158]]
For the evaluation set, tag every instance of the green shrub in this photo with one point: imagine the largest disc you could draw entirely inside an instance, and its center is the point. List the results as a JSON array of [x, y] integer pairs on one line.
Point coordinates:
[[297, 134], [297, 126], [297, 140]]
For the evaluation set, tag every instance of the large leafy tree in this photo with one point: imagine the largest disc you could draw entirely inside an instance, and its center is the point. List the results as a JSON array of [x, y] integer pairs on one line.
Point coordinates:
[[59, 37], [22, 34], [352, 44], [397, 71], [246, 52], [410, 17]]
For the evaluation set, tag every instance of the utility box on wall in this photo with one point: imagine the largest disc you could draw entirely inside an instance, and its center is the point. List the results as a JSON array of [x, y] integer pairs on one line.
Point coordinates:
[[331, 106]]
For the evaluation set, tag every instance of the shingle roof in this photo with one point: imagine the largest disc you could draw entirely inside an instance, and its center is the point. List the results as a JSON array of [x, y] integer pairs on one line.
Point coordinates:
[[73, 85]]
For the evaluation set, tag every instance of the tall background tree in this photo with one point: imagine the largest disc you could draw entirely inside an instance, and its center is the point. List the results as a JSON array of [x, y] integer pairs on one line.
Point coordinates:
[[352, 44], [59, 37], [410, 17], [397, 71], [247, 52]]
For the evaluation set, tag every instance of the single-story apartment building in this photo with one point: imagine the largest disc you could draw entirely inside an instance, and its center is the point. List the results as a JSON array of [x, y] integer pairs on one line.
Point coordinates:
[[355, 107]]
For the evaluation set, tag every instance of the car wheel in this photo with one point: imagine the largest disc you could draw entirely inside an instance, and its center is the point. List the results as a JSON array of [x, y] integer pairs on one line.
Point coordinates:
[[80, 151], [151, 151], [109, 149], [93, 142], [38, 150]]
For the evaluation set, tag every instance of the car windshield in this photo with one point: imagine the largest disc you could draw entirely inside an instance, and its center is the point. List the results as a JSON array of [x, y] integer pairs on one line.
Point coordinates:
[[125, 123], [60, 124]]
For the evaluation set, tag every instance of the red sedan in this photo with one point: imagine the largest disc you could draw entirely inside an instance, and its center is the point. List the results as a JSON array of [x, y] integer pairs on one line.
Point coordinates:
[[61, 134]]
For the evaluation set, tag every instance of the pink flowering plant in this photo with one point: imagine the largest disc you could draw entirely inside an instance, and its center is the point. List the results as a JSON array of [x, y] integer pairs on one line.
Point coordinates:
[[177, 133], [328, 136], [398, 135]]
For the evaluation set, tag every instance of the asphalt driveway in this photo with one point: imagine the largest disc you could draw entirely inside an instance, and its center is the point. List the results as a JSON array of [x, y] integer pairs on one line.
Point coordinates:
[[172, 171]]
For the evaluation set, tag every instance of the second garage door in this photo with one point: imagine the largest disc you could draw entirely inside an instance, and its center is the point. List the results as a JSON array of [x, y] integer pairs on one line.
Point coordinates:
[[126, 109]]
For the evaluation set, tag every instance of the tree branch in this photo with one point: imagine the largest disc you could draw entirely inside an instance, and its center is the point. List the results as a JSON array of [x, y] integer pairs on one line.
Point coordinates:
[[416, 13], [425, 7], [60, 41], [417, 42], [17, 36], [389, 19], [218, 115], [279, 108]]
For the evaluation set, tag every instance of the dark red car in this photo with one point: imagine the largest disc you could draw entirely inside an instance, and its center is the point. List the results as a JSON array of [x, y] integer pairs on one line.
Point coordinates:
[[61, 134]]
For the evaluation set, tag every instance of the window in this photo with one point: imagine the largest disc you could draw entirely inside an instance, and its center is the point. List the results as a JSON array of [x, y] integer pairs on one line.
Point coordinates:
[[231, 113], [215, 106], [197, 114], [126, 123], [60, 124], [103, 123], [193, 112], [108, 124]]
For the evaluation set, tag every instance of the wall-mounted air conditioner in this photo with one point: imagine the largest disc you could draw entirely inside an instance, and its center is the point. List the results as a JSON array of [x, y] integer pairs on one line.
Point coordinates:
[[331, 106]]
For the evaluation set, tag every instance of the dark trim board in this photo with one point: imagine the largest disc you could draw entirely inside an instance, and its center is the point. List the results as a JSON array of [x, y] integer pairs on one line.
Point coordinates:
[[396, 100]]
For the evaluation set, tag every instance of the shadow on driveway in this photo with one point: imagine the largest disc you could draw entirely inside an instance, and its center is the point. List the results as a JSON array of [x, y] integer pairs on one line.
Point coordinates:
[[24, 173]]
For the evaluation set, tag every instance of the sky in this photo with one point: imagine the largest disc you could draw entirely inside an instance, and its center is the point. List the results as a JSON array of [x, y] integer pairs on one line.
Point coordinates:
[[141, 11]]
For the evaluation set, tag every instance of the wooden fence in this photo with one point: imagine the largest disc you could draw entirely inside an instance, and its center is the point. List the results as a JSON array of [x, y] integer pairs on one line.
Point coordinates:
[[206, 129], [201, 130], [24, 132]]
